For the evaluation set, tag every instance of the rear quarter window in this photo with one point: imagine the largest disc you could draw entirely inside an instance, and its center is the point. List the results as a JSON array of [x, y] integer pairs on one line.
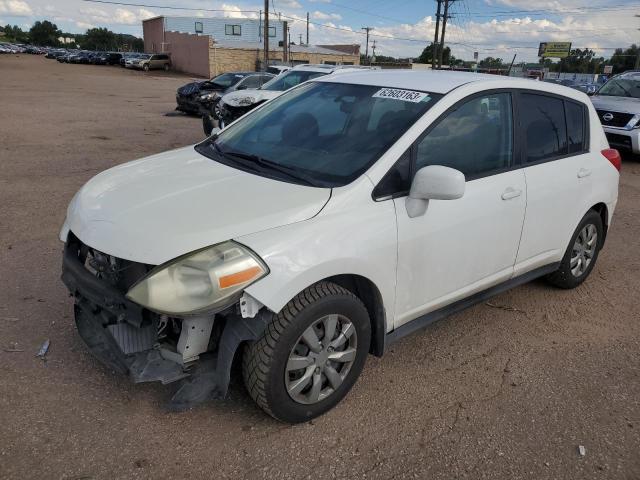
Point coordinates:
[[577, 122]]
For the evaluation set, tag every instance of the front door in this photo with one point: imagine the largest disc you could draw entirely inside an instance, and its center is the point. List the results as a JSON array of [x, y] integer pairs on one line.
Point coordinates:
[[459, 247]]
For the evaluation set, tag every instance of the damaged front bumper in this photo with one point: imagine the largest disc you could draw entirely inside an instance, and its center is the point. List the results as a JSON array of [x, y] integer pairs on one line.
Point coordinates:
[[124, 336]]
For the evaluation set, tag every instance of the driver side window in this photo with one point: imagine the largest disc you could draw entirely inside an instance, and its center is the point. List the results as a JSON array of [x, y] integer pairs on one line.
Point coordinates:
[[476, 138]]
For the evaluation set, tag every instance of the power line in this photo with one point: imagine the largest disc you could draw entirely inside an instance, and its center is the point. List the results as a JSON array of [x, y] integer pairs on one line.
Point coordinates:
[[348, 30]]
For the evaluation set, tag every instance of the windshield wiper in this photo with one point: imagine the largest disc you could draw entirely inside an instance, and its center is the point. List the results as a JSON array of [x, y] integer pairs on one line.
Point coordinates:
[[290, 172]]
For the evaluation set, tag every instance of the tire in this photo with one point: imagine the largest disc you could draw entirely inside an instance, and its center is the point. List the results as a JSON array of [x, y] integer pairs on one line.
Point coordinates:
[[166, 67], [570, 275], [266, 364], [145, 67]]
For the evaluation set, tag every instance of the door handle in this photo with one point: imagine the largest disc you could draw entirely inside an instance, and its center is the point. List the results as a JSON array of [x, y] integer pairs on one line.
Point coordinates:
[[510, 193], [584, 172]]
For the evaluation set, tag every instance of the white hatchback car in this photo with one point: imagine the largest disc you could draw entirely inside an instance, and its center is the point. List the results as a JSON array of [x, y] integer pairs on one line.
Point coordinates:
[[328, 223]]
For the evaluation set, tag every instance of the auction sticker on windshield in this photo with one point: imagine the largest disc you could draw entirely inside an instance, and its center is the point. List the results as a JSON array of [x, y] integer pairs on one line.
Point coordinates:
[[398, 94]]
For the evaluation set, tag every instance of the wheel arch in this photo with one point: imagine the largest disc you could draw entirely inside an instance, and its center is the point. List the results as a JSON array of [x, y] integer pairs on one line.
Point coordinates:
[[370, 295], [602, 210]]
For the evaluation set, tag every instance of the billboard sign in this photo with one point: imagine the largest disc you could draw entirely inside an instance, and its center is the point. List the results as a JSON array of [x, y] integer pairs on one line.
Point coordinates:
[[554, 49], [608, 69]]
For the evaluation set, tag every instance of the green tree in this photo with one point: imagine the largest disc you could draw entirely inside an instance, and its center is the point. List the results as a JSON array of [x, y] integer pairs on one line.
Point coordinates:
[[15, 34], [623, 60], [45, 33], [490, 62], [427, 55], [99, 39]]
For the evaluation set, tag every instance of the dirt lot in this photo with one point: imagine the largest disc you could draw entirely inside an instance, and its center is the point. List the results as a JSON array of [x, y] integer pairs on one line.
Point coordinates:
[[490, 393]]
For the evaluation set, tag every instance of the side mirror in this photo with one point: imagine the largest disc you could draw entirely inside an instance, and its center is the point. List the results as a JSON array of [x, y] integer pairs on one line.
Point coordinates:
[[434, 182]]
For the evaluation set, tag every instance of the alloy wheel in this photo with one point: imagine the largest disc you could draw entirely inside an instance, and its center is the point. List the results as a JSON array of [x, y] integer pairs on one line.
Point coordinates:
[[321, 359], [584, 249]]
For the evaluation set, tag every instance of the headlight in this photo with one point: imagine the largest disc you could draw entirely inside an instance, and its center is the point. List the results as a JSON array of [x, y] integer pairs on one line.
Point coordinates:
[[208, 96], [242, 101], [199, 281]]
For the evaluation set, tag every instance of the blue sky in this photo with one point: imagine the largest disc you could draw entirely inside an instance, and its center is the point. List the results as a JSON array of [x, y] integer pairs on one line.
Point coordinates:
[[401, 28]]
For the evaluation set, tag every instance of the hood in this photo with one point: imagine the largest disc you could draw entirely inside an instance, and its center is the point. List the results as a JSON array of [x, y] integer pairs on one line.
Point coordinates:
[[158, 208], [195, 87], [616, 104], [243, 98]]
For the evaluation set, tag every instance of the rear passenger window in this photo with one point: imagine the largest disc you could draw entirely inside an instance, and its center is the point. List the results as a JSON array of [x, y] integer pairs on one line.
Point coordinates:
[[476, 138], [544, 127], [575, 127]]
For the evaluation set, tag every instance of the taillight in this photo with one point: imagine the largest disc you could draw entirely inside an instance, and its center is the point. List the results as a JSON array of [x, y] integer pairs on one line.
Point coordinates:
[[614, 157]]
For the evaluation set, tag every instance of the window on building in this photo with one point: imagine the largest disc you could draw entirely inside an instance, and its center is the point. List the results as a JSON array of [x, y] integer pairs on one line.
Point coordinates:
[[233, 30], [544, 125], [199, 27], [326, 62], [272, 31]]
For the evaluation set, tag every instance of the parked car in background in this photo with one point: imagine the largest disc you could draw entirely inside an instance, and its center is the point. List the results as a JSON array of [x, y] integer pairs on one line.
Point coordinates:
[[202, 97], [147, 61], [334, 220], [617, 103], [235, 104], [278, 69]]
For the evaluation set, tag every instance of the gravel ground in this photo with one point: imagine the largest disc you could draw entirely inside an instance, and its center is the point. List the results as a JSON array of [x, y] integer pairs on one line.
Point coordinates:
[[507, 390]]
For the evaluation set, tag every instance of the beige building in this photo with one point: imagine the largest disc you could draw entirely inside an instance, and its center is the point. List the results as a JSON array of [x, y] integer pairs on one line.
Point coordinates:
[[207, 56]]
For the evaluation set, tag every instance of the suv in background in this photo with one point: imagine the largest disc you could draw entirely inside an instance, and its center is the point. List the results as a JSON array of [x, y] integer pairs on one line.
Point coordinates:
[[618, 106], [146, 62]]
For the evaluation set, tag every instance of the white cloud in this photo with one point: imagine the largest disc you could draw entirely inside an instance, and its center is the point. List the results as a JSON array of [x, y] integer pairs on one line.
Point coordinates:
[[325, 16], [234, 11], [288, 4], [84, 25], [15, 8]]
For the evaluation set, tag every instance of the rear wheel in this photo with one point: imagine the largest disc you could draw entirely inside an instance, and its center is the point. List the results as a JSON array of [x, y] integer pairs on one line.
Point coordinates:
[[145, 67], [166, 67], [310, 355], [581, 254]]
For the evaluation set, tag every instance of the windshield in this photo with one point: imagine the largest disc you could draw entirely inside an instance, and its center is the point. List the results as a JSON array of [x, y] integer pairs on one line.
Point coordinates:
[[621, 87], [321, 134], [227, 79], [290, 79]]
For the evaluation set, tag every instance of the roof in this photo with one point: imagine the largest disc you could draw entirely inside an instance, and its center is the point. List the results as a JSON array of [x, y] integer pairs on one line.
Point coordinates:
[[441, 81], [436, 81], [350, 49]]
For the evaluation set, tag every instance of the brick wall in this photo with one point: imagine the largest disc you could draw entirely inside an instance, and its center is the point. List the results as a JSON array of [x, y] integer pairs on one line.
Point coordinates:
[[225, 59]]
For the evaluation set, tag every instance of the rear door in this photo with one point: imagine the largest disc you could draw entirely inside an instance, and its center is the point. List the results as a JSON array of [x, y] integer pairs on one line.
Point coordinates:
[[558, 170]]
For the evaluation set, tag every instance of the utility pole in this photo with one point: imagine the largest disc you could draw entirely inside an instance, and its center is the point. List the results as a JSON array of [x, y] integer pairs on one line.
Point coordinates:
[[434, 49], [307, 29], [366, 55], [373, 49], [265, 32], [444, 27], [300, 35]]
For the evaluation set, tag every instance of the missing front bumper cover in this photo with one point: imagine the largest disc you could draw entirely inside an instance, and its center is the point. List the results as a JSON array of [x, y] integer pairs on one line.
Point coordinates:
[[116, 334]]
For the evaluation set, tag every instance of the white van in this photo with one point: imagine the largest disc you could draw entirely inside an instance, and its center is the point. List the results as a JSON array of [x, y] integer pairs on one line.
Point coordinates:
[[331, 221]]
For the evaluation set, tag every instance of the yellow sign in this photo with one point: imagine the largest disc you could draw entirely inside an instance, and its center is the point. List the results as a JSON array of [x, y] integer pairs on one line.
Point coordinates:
[[554, 49]]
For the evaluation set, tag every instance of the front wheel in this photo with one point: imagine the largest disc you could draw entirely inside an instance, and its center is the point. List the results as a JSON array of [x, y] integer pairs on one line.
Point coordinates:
[[581, 254], [145, 67], [310, 355]]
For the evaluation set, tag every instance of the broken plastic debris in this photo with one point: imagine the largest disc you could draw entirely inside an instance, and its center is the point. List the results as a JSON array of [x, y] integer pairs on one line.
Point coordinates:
[[43, 349], [581, 450]]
